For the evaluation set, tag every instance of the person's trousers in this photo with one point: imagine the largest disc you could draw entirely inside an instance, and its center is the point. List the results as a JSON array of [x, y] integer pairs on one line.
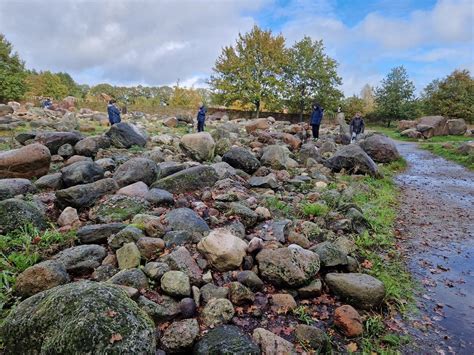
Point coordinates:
[[315, 128], [355, 137], [200, 126]]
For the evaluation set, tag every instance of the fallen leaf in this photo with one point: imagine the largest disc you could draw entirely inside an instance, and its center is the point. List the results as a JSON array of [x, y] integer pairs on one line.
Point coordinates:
[[111, 313], [351, 347], [115, 337]]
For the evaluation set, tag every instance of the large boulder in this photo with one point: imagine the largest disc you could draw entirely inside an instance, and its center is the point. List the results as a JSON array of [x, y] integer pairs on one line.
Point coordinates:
[[199, 146], [291, 267], [354, 160], [226, 339], [134, 170], [223, 250], [15, 213], [361, 290], [85, 195], [81, 317], [241, 158], [26, 162], [5, 110], [82, 172], [53, 140], [257, 124], [431, 126], [89, 146], [117, 208], [126, 135], [457, 127], [380, 148], [277, 157], [403, 125], [411, 133], [11, 187], [191, 179]]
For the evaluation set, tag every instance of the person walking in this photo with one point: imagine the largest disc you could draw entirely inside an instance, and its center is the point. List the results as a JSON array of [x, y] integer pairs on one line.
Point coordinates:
[[316, 118], [201, 118], [114, 113], [356, 127]]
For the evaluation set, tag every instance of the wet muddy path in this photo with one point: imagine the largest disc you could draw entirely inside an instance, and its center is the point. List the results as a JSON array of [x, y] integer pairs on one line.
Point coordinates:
[[436, 233]]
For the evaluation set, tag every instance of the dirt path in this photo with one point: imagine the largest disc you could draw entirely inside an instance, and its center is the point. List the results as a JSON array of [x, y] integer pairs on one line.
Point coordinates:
[[436, 225]]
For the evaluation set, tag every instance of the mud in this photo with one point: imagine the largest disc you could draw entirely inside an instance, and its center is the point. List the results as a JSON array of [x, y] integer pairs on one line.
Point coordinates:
[[436, 233]]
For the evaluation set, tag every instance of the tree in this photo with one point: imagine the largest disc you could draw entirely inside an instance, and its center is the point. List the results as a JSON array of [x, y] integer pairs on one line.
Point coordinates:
[[395, 97], [452, 96], [46, 84], [352, 105], [183, 97], [252, 70], [310, 76], [12, 73], [367, 95], [73, 89]]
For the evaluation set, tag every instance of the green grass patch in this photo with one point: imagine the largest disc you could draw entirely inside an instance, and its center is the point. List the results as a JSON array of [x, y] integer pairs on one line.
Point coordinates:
[[450, 152], [278, 207], [21, 249], [392, 133], [314, 209]]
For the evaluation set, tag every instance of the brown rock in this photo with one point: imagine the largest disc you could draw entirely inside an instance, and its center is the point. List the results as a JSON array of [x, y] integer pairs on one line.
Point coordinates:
[[254, 125], [271, 343], [292, 141], [68, 217], [348, 320], [283, 302], [405, 124], [170, 122], [149, 247], [27, 162]]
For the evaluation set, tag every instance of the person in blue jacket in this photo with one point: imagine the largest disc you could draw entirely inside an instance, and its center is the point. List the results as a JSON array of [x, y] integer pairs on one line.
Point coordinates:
[[114, 113], [201, 118], [316, 118]]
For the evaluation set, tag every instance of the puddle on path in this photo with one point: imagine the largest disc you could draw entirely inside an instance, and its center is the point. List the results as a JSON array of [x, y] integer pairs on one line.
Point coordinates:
[[436, 221]]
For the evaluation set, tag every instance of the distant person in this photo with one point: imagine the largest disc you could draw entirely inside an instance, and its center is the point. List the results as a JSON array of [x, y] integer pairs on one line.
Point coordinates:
[[48, 104], [201, 118], [356, 127], [114, 113], [316, 118]]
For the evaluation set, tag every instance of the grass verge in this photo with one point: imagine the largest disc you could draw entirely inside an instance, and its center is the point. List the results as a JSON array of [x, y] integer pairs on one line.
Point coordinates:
[[21, 249], [450, 152]]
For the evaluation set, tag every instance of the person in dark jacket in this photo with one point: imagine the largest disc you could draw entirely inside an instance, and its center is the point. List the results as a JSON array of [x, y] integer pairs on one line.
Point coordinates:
[[357, 127], [201, 118], [316, 118], [47, 104], [114, 113]]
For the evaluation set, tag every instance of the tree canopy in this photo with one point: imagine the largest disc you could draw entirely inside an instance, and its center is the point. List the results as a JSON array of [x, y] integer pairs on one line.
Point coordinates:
[[12, 72], [395, 96], [251, 71]]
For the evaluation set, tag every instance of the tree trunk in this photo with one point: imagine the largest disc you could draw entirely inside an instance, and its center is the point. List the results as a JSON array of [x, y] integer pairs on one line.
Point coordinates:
[[257, 106]]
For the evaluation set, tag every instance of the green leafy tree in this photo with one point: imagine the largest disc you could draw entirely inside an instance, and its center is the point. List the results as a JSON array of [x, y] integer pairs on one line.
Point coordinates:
[[352, 105], [452, 96], [395, 96], [311, 76], [250, 72], [73, 89], [12, 73], [45, 84]]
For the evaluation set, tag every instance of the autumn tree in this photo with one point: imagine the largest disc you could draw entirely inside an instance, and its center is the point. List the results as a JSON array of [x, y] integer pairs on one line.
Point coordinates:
[[184, 97], [368, 97], [251, 71], [45, 84], [452, 96], [395, 97], [310, 76], [351, 105], [12, 72]]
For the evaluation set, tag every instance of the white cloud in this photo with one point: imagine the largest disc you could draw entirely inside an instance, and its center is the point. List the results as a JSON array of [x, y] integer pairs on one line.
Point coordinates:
[[125, 41]]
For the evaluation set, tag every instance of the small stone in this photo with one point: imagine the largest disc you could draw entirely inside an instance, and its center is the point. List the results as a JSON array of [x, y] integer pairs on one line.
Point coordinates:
[[130, 277], [176, 283], [311, 290], [217, 311], [255, 245], [150, 247], [314, 337], [271, 343], [239, 294], [282, 303], [210, 291], [164, 309], [348, 320], [68, 217], [128, 256], [187, 307], [263, 213], [180, 335], [155, 270], [250, 279]]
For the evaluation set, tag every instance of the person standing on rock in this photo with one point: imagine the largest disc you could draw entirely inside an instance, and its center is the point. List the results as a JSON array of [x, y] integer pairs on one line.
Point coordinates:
[[201, 118], [357, 127], [316, 118], [114, 113]]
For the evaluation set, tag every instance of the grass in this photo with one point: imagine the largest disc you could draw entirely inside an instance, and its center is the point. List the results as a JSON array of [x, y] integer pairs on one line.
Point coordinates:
[[377, 340], [377, 245], [21, 249], [278, 207], [451, 152], [314, 209], [302, 314], [392, 133]]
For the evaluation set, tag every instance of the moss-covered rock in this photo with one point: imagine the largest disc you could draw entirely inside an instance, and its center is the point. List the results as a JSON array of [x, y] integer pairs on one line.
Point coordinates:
[[118, 208], [81, 317], [15, 213], [226, 340]]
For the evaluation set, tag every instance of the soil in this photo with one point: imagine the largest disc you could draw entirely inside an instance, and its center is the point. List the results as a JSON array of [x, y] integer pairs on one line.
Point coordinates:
[[436, 234]]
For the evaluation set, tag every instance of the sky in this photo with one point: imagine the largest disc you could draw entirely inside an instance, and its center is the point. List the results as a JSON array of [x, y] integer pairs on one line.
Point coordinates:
[[157, 42]]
